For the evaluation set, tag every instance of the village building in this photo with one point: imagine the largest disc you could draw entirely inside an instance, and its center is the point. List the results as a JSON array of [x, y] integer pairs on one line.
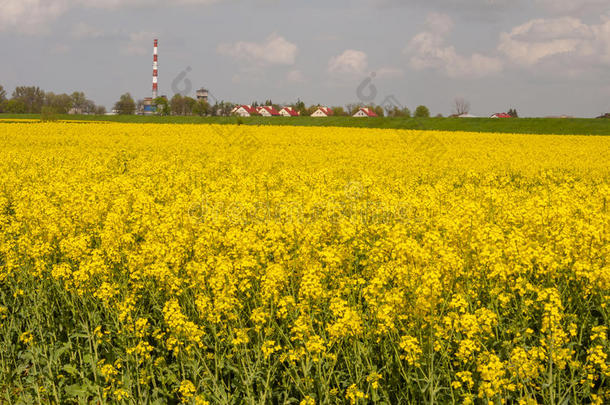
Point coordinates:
[[289, 112], [202, 94], [365, 112], [267, 111], [244, 111], [322, 112]]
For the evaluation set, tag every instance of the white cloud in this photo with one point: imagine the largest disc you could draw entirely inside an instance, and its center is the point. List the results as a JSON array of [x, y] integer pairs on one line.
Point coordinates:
[[428, 50], [568, 37], [350, 62], [29, 16], [275, 50]]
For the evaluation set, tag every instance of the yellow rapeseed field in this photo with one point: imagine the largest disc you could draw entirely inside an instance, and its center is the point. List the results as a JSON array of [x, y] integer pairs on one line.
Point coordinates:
[[200, 264]]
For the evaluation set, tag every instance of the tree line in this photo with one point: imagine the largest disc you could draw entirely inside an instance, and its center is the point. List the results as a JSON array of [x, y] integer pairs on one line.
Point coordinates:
[[34, 100], [177, 105], [185, 105]]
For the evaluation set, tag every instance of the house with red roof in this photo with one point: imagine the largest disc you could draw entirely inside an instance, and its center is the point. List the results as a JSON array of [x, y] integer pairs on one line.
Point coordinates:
[[322, 112], [244, 111], [501, 115], [267, 111], [289, 112], [365, 112]]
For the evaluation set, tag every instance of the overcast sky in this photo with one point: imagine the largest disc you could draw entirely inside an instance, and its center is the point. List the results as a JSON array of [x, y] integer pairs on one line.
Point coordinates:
[[543, 57]]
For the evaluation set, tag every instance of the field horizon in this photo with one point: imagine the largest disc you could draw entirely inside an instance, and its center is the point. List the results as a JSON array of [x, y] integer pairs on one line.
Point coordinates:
[[559, 126]]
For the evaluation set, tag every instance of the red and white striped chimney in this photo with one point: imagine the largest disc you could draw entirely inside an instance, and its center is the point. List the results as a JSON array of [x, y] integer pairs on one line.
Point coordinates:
[[155, 73]]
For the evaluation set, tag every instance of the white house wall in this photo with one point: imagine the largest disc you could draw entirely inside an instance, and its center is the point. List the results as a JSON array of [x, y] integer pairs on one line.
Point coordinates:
[[285, 113], [242, 113]]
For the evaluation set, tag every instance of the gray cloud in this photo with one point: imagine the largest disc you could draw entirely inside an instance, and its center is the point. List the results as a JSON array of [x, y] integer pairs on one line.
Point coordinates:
[[428, 50], [572, 6], [537, 40], [273, 50], [31, 16], [351, 62]]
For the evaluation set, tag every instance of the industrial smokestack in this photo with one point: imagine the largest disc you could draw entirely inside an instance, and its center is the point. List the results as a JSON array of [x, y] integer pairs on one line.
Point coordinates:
[[155, 73]]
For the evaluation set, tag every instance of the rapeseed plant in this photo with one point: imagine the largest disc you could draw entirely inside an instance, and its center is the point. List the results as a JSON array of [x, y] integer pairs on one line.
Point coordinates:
[[160, 263]]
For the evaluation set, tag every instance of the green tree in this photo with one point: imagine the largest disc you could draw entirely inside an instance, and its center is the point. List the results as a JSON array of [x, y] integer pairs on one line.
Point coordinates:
[[225, 108], [2, 94], [352, 108], [2, 98], [214, 109], [338, 110], [60, 103], [176, 105], [395, 111], [89, 107], [513, 113], [222, 108], [32, 98], [79, 101], [201, 108], [272, 104], [422, 112], [100, 110], [300, 107], [125, 105], [312, 109], [189, 105], [162, 105], [15, 106]]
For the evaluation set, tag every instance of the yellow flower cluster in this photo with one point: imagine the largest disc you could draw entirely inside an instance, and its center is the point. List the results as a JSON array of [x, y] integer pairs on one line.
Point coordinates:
[[354, 395], [262, 264]]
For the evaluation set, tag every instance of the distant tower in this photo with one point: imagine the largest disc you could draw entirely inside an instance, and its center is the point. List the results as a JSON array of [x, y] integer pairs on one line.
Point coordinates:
[[202, 94], [155, 72]]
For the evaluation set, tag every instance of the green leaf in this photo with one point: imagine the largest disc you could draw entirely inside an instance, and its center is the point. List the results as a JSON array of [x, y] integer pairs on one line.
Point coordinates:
[[75, 390], [70, 369], [63, 349]]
